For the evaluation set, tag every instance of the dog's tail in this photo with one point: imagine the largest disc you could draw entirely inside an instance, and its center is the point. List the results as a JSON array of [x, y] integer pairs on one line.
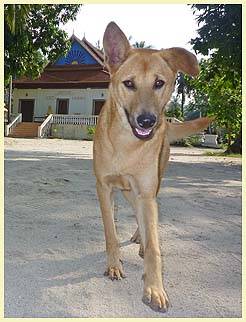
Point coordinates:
[[181, 130]]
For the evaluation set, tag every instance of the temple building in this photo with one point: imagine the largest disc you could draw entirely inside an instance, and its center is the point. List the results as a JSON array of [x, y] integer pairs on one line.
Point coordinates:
[[75, 84]]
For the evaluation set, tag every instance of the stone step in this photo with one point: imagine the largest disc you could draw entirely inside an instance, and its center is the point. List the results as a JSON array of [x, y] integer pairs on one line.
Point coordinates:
[[25, 129]]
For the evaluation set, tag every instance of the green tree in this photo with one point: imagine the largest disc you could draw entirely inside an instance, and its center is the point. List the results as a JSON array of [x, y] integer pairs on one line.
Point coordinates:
[[220, 33], [220, 79], [33, 37], [197, 106], [174, 109], [141, 44], [215, 94], [15, 17], [183, 89]]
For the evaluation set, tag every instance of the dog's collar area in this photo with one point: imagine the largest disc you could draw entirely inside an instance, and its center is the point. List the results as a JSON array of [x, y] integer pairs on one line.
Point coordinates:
[[142, 134]]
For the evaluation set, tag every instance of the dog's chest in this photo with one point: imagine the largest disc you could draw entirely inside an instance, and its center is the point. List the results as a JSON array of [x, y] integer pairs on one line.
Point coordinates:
[[131, 161], [128, 168]]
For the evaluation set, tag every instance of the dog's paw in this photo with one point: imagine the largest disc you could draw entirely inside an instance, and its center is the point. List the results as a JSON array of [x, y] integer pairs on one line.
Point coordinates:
[[114, 273], [156, 298], [136, 237]]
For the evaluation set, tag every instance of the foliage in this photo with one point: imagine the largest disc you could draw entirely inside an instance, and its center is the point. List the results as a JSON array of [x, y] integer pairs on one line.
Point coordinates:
[[183, 89], [138, 44], [194, 140], [141, 44], [222, 97], [15, 13], [33, 37], [197, 106], [223, 154], [174, 109], [221, 31], [220, 79], [90, 132]]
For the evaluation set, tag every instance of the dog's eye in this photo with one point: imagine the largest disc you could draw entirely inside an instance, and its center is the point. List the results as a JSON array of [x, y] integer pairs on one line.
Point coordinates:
[[159, 83], [129, 84]]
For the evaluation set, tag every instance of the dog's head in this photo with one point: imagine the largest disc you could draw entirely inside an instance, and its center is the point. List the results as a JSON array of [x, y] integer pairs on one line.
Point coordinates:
[[142, 80]]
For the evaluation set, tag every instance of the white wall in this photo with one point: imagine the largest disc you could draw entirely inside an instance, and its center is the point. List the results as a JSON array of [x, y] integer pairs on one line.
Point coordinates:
[[80, 100]]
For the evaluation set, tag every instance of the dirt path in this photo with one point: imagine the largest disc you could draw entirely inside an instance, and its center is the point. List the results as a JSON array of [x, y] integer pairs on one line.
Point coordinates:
[[54, 242]]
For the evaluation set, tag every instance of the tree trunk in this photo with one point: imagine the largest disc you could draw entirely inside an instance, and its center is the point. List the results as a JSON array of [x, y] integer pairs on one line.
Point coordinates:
[[182, 102]]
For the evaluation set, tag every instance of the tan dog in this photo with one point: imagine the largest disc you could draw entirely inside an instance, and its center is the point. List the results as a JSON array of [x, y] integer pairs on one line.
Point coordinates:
[[131, 146]]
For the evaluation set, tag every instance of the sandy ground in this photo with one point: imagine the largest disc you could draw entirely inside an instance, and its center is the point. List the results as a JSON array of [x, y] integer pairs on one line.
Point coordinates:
[[54, 241]]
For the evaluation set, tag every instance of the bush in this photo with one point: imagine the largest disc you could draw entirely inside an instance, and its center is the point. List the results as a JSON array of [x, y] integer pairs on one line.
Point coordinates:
[[194, 140], [90, 132]]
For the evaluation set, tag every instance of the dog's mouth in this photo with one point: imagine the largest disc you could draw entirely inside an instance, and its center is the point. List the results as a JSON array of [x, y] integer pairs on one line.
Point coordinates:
[[142, 134]]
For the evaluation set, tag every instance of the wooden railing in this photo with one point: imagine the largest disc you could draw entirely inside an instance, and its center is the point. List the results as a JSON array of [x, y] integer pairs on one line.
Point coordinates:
[[13, 124]]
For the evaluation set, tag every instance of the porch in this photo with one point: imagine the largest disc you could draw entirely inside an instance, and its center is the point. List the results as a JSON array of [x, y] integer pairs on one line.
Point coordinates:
[[56, 125], [43, 127]]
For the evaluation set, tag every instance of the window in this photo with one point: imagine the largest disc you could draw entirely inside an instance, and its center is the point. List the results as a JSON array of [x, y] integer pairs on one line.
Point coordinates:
[[97, 106], [62, 106]]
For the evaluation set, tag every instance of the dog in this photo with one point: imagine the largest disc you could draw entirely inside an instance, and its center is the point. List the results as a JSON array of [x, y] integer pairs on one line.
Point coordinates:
[[131, 147]]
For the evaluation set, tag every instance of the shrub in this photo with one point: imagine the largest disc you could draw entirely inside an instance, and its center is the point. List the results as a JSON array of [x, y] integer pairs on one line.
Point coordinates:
[[194, 140], [90, 132]]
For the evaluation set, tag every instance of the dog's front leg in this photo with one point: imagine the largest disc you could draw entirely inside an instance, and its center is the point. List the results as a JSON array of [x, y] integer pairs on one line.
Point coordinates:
[[114, 266], [154, 294]]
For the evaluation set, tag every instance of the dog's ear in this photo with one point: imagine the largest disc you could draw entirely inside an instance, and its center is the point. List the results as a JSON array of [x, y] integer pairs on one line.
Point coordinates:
[[116, 47], [181, 60]]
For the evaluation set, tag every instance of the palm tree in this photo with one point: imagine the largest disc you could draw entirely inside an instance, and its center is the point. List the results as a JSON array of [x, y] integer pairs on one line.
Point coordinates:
[[15, 16], [141, 44], [182, 89]]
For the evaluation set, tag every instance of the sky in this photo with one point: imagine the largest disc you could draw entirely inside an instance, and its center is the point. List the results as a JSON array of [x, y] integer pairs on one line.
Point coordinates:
[[159, 25]]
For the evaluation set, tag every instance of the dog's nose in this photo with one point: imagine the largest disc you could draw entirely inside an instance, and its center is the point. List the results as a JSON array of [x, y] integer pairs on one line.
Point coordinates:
[[146, 120]]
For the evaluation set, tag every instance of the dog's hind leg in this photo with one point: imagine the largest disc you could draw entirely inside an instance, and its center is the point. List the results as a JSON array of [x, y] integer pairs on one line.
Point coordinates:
[[136, 237], [130, 197], [114, 268]]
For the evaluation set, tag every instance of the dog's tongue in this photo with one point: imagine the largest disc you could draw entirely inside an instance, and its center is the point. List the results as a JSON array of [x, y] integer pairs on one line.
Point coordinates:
[[143, 132]]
